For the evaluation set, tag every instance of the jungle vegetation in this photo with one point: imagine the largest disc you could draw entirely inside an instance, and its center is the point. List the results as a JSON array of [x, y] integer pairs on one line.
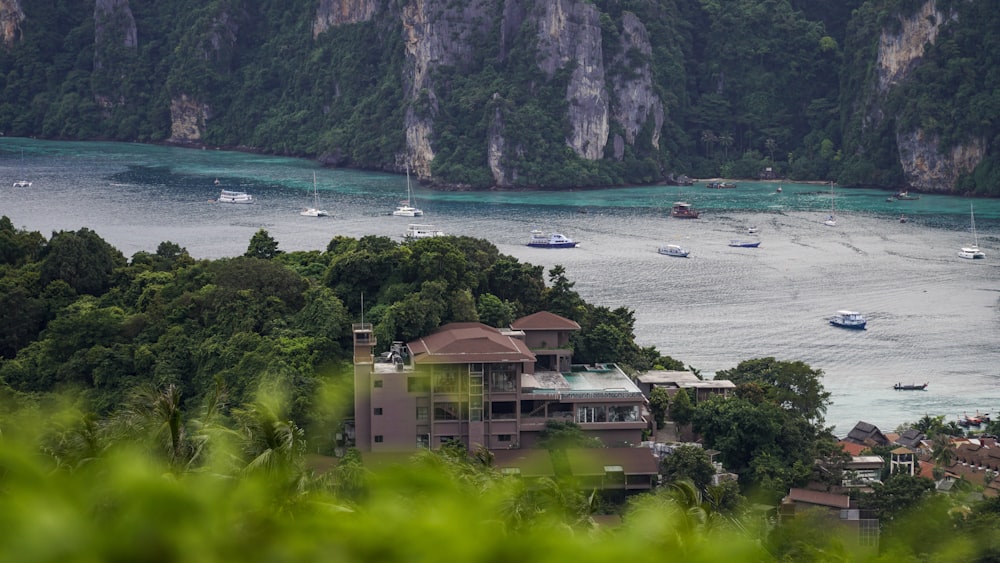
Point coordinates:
[[785, 84]]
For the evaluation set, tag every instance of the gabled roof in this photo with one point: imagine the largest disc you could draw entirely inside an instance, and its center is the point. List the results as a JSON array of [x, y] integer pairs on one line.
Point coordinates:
[[544, 320], [461, 343], [866, 434], [818, 498], [910, 438]]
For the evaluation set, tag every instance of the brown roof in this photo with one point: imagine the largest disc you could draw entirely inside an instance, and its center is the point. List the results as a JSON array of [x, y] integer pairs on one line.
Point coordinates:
[[461, 343], [529, 462], [852, 448], [819, 498], [592, 461], [544, 320]]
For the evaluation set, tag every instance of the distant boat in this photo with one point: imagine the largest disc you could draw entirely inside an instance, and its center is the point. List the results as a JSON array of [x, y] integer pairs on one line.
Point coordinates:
[[683, 210], [849, 319], [229, 196], [22, 183], [778, 190], [752, 230], [910, 387], [673, 250], [415, 232], [314, 211], [555, 240], [831, 219], [720, 185], [905, 196], [744, 243], [972, 252], [404, 209]]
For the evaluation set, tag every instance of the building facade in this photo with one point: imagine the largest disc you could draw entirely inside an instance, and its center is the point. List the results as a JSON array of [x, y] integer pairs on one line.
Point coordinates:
[[487, 387]]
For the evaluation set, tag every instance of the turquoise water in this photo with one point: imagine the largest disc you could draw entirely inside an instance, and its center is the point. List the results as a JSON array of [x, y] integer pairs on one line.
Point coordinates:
[[932, 317]]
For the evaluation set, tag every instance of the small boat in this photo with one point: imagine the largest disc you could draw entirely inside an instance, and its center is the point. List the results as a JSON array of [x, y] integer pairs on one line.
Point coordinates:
[[720, 185], [314, 211], [972, 252], [683, 210], [229, 196], [22, 183], [751, 230], [910, 387], [673, 250], [744, 243], [778, 191], [555, 240], [902, 218], [831, 219], [849, 319], [404, 209], [415, 232], [905, 196]]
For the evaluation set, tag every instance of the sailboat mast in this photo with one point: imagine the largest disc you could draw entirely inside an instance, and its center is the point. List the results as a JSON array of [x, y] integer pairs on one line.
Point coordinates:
[[972, 215]]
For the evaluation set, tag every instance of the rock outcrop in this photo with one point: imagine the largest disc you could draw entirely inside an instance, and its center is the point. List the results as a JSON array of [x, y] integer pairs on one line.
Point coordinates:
[[635, 102], [332, 13], [187, 119], [11, 16], [925, 165]]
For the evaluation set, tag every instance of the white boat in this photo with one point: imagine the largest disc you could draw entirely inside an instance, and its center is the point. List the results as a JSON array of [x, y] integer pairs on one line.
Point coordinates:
[[972, 252], [229, 196], [849, 319], [831, 219], [404, 209], [22, 183], [673, 250], [744, 243], [314, 211], [752, 230], [555, 240], [415, 232]]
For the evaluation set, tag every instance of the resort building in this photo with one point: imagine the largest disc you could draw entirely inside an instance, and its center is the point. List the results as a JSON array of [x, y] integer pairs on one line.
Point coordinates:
[[487, 387], [698, 389]]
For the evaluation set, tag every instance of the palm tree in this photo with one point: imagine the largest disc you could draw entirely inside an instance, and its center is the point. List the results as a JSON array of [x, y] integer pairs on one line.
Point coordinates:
[[771, 145], [726, 140], [709, 138], [942, 452]]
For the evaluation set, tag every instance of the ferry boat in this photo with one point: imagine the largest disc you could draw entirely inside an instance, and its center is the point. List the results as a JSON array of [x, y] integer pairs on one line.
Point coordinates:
[[229, 196], [555, 240], [673, 250], [849, 319], [415, 231], [683, 210]]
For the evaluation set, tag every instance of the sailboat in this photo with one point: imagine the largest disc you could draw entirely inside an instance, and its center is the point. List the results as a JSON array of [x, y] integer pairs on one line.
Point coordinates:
[[404, 209], [972, 252], [831, 220], [22, 183], [314, 211]]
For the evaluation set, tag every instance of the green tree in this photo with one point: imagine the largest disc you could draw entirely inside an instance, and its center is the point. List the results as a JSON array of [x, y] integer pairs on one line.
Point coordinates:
[[659, 403], [494, 312], [681, 408], [688, 462], [262, 246], [82, 259], [793, 386]]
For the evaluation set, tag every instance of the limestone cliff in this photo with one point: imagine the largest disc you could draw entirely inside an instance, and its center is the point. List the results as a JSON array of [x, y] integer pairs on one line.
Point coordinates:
[[114, 28], [187, 119], [925, 165], [11, 16], [331, 13], [635, 101]]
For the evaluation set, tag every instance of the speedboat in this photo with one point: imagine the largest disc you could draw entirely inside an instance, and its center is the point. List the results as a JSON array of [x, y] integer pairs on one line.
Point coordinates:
[[22, 184], [683, 210], [229, 196], [849, 319], [555, 240], [744, 243], [673, 250], [751, 230], [414, 232]]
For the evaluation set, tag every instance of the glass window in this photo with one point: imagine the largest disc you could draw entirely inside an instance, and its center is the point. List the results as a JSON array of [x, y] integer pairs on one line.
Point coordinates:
[[418, 384], [423, 413], [378, 411], [503, 438], [446, 411], [378, 438], [591, 413], [377, 384], [623, 413]]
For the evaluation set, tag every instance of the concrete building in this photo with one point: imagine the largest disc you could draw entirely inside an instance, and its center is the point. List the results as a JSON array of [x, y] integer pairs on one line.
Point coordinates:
[[487, 387], [698, 390]]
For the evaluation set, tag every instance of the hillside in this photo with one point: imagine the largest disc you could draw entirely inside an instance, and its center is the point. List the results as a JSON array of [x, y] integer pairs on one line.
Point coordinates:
[[557, 93]]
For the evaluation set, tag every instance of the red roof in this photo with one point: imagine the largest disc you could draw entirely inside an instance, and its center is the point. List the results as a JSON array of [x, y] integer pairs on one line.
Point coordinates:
[[462, 343], [544, 320], [852, 448]]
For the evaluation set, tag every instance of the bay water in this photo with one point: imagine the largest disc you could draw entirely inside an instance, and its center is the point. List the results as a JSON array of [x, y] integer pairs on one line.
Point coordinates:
[[933, 317]]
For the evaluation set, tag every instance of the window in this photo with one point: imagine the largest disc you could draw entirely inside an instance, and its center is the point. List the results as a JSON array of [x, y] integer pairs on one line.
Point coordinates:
[[377, 384], [503, 379], [590, 414], [418, 384], [503, 410], [378, 438], [446, 439], [423, 413], [423, 440], [503, 438], [623, 413], [447, 411], [378, 411]]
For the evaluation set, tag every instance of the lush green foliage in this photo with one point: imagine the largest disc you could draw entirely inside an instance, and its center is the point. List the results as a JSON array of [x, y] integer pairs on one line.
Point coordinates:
[[786, 84]]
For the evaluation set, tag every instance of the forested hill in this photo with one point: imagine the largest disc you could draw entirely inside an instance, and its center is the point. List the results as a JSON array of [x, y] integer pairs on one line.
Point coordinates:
[[521, 93]]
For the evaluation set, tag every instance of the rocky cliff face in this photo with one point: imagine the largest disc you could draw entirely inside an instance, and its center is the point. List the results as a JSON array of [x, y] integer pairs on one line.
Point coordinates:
[[331, 13], [924, 164], [187, 119], [11, 16], [635, 101]]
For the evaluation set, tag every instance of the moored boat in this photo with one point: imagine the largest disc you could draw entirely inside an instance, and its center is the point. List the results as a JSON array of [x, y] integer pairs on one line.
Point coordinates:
[[849, 319], [414, 232], [905, 196], [673, 250], [683, 210], [720, 185], [744, 243], [909, 387], [229, 196], [555, 240]]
